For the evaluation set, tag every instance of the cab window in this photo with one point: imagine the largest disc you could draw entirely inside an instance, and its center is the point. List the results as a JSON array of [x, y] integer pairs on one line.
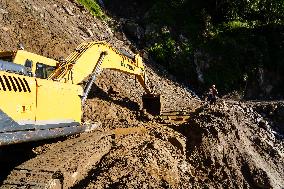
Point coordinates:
[[29, 64], [43, 70]]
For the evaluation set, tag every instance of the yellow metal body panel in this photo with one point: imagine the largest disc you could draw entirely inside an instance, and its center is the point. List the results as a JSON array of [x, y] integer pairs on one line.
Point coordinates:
[[20, 106], [42, 101], [58, 101]]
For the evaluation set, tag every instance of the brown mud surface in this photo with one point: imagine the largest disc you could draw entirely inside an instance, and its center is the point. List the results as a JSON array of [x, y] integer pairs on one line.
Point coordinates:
[[229, 145]]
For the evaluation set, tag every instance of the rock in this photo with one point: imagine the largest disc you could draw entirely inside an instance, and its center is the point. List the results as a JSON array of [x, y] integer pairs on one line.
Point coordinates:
[[68, 11], [145, 55], [87, 31], [120, 36], [134, 30], [144, 116], [101, 2], [35, 8], [261, 179], [151, 29], [108, 30], [3, 11], [262, 124], [5, 29], [165, 30], [84, 38], [183, 39]]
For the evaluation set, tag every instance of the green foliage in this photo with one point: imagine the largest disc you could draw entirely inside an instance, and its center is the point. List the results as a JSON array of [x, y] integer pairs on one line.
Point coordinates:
[[236, 34], [240, 52], [163, 50], [264, 11], [236, 37], [232, 25], [175, 56], [93, 7]]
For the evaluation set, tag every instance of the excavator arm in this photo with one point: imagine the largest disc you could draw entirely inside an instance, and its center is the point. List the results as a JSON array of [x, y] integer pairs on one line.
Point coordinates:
[[89, 59]]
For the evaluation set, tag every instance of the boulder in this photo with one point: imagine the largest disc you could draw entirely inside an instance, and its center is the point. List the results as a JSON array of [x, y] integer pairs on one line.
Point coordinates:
[[134, 30]]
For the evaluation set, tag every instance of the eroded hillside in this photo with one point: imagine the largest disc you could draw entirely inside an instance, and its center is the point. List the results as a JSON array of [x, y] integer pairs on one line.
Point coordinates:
[[228, 145]]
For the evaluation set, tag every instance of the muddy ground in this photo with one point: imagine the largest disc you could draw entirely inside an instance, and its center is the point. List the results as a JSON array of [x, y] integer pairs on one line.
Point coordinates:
[[229, 145]]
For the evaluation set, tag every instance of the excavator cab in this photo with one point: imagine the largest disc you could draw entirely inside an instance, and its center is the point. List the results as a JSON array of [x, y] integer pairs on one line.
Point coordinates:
[[152, 103]]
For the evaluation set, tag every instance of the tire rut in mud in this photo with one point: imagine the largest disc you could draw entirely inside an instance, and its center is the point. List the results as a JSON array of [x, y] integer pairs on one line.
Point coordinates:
[[62, 164]]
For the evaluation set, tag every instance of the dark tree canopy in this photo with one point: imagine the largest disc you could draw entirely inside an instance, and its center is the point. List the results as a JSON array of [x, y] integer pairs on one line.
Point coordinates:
[[235, 37]]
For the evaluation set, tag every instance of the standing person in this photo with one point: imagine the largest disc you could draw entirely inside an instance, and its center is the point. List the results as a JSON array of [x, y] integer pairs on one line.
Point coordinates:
[[212, 94]]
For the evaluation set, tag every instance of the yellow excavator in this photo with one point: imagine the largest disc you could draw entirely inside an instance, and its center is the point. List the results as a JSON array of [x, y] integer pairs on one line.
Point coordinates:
[[42, 98]]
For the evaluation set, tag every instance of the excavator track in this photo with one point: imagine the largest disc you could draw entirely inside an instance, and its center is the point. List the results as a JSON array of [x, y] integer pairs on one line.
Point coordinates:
[[63, 165]]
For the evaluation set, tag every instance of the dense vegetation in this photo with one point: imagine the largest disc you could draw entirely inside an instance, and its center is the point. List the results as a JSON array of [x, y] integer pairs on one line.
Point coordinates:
[[229, 42], [235, 37]]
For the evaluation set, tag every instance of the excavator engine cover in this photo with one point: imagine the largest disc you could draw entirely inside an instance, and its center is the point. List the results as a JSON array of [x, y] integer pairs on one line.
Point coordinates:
[[152, 104]]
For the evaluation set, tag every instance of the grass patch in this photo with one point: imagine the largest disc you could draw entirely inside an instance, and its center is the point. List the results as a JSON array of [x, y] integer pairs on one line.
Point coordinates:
[[94, 8]]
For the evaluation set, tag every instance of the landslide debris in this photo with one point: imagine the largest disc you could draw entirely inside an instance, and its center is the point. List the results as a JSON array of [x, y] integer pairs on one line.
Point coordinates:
[[152, 156], [221, 146], [229, 145]]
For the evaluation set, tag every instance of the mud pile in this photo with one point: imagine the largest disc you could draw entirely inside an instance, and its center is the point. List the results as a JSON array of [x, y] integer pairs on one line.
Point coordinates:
[[125, 105], [222, 146], [273, 113], [229, 147], [145, 156], [51, 28]]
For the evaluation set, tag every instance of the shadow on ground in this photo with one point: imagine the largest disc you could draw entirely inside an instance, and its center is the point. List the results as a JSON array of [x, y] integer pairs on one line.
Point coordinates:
[[13, 155], [113, 97]]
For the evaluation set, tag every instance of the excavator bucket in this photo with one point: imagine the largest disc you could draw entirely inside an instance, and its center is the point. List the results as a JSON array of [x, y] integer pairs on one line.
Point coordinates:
[[152, 104]]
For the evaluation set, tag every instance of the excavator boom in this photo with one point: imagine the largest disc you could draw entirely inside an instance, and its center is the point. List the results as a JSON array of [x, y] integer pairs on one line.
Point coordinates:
[[89, 59]]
